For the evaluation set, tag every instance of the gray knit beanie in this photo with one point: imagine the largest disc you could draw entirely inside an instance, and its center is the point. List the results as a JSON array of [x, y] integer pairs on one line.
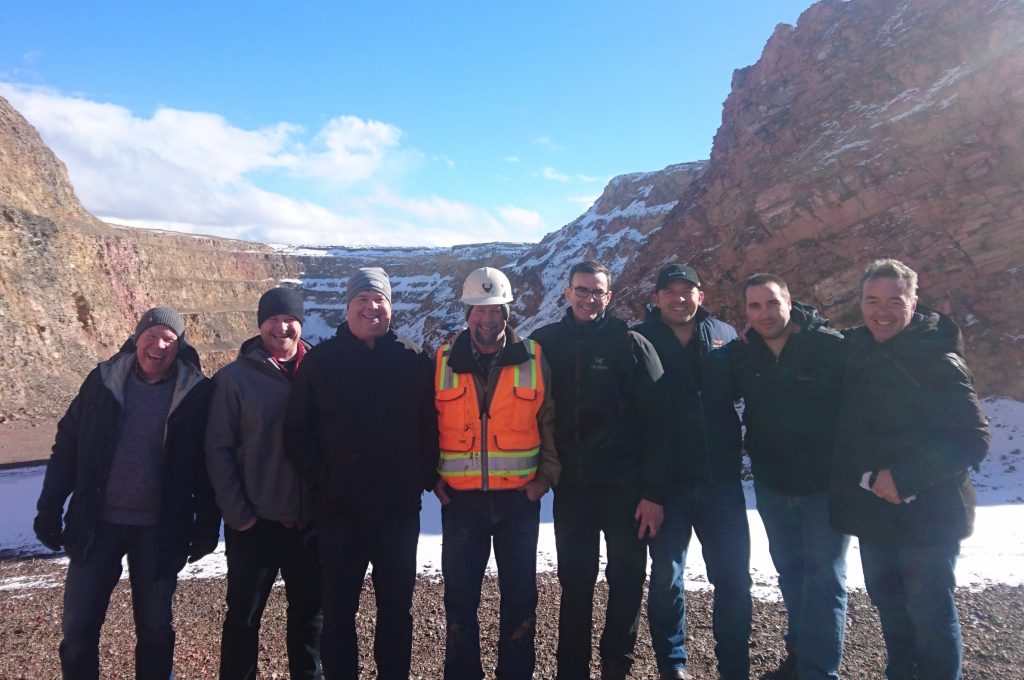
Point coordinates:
[[280, 301], [368, 278], [161, 316]]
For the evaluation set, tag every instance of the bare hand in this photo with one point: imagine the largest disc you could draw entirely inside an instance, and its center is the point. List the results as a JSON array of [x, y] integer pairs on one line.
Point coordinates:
[[649, 516], [248, 525], [535, 490], [441, 491], [885, 487]]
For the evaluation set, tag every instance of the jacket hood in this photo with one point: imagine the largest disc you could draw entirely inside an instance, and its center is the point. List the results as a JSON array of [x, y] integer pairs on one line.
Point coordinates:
[[807, 317], [512, 354]]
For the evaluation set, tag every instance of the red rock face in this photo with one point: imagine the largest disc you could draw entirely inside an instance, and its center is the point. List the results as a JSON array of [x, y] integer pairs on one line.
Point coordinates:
[[873, 129]]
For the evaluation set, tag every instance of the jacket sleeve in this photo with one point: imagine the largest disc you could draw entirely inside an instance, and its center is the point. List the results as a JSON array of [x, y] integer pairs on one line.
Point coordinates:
[[62, 468], [955, 429], [651, 404], [300, 431], [430, 451], [550, 468], [223, 437], [207, 517]]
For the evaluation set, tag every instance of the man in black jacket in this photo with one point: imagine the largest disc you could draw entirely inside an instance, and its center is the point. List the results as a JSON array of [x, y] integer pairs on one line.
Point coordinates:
[[910, 428], [129, 452], [610, 432], [705, 495], [362, 427], [788, 372]]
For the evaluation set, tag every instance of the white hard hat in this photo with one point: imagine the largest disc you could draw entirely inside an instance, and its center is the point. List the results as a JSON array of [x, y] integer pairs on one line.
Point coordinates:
[[486, 286]]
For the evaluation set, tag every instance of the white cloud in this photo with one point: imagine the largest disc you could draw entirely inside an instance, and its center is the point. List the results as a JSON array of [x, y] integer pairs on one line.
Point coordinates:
[[589, 179], [584, 201], [546, 142], [511, 159], [554, 175], [196, 172]]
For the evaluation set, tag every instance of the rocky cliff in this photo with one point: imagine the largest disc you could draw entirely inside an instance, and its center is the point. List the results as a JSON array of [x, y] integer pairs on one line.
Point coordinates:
[[872, 128]]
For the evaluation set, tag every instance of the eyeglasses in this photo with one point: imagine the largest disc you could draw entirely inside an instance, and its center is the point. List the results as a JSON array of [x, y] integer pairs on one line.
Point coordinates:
[[582, 293]]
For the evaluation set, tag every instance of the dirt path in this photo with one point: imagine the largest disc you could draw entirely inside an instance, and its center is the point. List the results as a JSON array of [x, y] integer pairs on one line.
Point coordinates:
[[26, 443]]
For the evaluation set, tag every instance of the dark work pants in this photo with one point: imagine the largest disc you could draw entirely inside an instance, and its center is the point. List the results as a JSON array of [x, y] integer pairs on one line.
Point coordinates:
[[87, 595], [347, 547], [581, 515], [254, 558], [469, 522]]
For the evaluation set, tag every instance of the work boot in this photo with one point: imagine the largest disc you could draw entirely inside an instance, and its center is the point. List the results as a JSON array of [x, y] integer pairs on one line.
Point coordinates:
[[785, 671], [614, 670]]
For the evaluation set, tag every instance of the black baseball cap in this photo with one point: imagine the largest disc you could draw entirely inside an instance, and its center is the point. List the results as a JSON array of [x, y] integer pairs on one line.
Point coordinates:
[[676, 272]]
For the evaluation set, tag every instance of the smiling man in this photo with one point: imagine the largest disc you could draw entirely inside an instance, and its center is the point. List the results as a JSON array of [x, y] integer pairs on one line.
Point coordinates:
[[129, 453], [910, 428], [362, 428], [266, 504], [704, 494], [498, 458], [612, 439], [788, 373]]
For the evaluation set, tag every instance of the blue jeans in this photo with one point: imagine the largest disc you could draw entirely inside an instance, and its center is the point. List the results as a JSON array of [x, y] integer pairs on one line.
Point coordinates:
[[469, 523], [87, 595], [581, 515], [811, 560], [254, 558], [912, 586], [718, 514], [347, 547]]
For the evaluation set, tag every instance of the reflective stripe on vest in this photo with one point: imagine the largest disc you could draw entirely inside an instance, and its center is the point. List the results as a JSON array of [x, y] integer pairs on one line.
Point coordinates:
[[513, 438]]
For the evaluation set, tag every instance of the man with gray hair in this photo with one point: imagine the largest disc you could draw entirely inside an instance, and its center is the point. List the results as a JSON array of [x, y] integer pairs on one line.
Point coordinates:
[[362, 429], [129, 452], [910, 428]]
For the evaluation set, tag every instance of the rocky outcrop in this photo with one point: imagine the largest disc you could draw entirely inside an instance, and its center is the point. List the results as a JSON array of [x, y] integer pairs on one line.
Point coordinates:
[[873, 129]]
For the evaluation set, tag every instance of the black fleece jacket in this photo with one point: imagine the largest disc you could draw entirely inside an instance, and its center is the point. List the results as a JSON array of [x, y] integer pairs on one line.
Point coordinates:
[[791, 403], [610, 419], [361, 425]]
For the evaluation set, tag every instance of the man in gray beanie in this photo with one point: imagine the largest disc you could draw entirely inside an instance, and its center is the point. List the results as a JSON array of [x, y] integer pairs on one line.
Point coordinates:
[[361, 425], [129, 453], [267, 506]]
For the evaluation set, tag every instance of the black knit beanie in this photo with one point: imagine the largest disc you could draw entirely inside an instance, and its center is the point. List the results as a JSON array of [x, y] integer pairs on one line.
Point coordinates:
[[280, 301], [161, 316]]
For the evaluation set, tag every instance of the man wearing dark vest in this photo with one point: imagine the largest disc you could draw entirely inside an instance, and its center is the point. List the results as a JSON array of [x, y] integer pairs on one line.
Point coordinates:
[[611, 430], [267, 505], [496, 423], [705, 495], [129, 452]]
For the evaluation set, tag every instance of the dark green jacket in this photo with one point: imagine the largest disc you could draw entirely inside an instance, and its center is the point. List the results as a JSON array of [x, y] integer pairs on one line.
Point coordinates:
[[610, 422], [908, 405], [791, 403]]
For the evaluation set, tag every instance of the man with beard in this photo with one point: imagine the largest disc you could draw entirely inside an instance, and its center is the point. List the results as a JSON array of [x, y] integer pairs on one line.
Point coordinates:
[[704, 493], [129, 452], [611, 434], [788, 372], [496, 422], [266, 504], [362, 428], [910, 428]]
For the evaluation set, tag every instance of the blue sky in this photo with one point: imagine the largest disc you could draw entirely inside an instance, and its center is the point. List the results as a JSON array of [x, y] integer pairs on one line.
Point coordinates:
[[380, 123]]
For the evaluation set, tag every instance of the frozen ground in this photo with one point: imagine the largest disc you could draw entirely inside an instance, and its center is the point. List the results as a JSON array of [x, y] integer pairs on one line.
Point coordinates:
[[994, 554]]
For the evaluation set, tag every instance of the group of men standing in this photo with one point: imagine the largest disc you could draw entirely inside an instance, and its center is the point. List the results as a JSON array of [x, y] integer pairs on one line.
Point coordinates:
[[317, 459]]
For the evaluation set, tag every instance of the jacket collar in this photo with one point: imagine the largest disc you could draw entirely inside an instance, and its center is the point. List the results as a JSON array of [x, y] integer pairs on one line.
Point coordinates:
[[461, 359]]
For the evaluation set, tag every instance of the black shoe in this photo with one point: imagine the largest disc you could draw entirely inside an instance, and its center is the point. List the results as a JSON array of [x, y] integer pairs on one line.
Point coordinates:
[[676, 674], [614, 670], [785, 671]]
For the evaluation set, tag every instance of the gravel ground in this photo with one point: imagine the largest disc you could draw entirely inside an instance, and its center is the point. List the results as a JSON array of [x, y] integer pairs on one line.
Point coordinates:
[[993, 623]]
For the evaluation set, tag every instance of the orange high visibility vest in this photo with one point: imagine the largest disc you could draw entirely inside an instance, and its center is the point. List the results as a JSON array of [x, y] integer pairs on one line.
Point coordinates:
[[498, 450]]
